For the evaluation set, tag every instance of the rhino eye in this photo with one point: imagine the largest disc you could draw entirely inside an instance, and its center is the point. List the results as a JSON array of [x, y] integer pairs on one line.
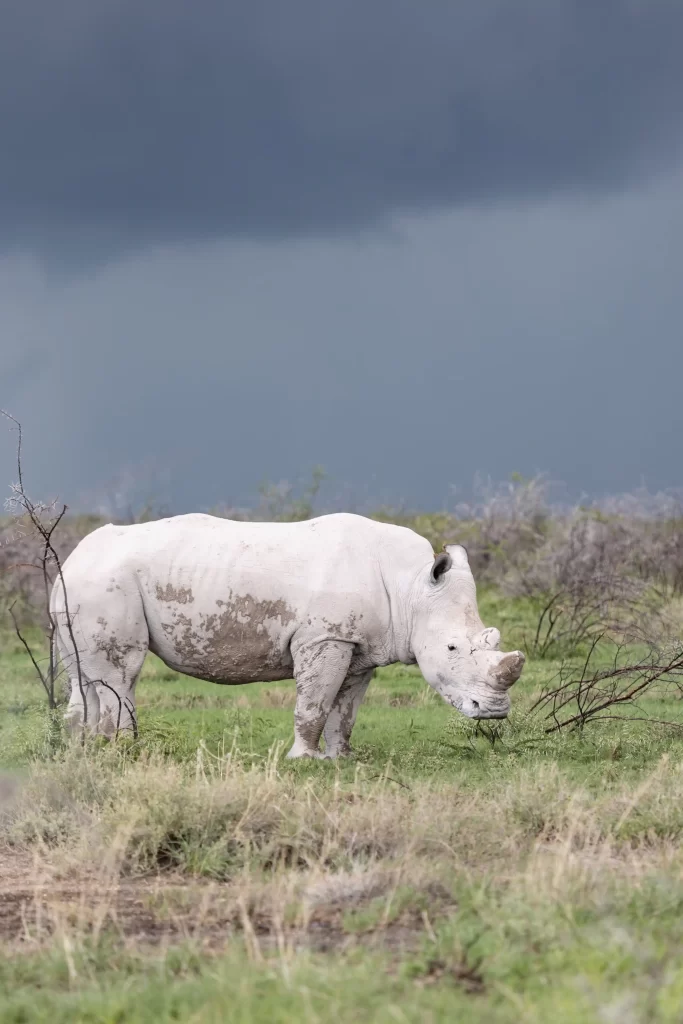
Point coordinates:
[[451, 647]]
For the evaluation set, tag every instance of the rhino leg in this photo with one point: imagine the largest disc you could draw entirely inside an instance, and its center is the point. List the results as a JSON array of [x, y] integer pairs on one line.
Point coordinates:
[[320, 670], [108, 689], [111, 636], [83, 710], [342, 717]]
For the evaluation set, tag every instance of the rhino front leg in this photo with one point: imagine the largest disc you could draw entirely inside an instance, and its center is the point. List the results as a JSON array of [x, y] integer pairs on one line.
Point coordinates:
[[320, 670], [342, 717]]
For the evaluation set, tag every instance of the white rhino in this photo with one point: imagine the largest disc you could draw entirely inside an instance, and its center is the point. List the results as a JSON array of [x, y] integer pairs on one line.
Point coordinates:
[[325, 601]]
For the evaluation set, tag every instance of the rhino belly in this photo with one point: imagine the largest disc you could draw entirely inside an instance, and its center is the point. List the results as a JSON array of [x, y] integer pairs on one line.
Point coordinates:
[[236, 640]]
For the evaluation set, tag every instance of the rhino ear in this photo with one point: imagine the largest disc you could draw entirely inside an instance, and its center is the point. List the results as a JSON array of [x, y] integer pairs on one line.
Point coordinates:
[[442, 563], [458, 555]]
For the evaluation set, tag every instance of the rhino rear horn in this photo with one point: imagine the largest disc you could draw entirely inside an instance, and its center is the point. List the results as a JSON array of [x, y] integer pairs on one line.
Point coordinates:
[[458, 553]]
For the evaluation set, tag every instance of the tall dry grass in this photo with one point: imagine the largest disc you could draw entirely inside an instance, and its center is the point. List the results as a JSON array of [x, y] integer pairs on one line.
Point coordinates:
[[279, 849]]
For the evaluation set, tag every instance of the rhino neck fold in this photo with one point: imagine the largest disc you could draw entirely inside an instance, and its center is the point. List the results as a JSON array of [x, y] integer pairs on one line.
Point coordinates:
[[399, 641]]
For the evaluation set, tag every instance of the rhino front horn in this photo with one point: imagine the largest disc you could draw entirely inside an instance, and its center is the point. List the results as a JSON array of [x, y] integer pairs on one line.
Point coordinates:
[[510, 668]]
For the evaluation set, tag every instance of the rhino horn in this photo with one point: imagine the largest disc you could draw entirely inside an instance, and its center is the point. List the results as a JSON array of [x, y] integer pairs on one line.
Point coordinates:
[[510, 668]]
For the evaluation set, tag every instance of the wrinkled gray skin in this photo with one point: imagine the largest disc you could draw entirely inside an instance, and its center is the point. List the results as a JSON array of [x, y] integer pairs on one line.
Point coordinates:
[[327, 601]]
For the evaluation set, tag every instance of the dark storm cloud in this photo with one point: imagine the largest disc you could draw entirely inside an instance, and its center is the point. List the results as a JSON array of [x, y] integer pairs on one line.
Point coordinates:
[[125, 122], [488, 340]]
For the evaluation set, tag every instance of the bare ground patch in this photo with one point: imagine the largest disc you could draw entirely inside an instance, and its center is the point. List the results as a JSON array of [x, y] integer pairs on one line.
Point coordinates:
[[312, 913]]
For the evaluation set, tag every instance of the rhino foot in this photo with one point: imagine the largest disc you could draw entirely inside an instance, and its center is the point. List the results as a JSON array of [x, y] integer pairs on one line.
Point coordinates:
[[336, 752], [298, 751]]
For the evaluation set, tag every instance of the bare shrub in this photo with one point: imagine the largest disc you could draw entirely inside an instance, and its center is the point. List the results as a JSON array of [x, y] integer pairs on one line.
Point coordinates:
[[41, 522], [583, 583], [438, 528], [281, 502], [500, 527], [612, 680], [652, 529], [21, 581], [505, 526]]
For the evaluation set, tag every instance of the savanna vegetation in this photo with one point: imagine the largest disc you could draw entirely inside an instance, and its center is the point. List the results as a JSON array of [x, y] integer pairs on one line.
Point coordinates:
[[526, 870]]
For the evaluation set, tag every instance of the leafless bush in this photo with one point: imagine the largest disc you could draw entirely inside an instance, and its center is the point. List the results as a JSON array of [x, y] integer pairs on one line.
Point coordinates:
[[519, 539], [21, 582], [613, 677], [505, 526], [282, 502], [21, 545], [583, 582], [500, 528], [133, 495], [41, 521]]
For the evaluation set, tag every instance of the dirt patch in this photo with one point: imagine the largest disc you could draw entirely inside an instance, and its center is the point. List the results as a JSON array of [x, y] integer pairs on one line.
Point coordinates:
[[156, 910], [244, 641]]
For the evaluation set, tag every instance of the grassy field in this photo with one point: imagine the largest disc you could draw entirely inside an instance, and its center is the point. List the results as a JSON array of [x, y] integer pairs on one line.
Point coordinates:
[[439, 875]]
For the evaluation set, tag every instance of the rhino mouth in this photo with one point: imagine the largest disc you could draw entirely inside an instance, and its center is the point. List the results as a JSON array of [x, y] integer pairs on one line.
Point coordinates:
[[473, 709]]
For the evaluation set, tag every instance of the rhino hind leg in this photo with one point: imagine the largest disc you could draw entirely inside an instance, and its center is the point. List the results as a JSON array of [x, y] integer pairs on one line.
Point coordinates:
[[342, 716], [102, 700], [83, 710], [320, 670], [111, 637]]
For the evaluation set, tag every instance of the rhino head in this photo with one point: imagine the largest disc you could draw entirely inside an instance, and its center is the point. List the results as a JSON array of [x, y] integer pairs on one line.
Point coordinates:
[[457, 656]]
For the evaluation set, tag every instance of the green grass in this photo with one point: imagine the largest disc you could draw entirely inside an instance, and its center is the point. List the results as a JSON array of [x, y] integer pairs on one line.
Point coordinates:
[[585, 982], [359, 989], [533, 878]]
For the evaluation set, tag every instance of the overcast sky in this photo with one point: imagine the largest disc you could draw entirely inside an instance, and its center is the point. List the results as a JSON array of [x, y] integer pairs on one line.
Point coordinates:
[[407, 241]]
